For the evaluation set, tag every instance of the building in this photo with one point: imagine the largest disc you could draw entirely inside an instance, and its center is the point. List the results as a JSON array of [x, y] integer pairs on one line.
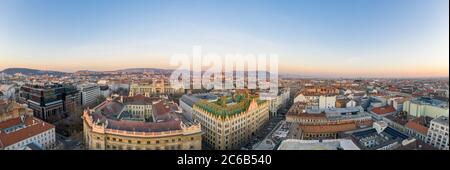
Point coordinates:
[[50, 101], [26, 132], [155, 87], [89, 93], [314, 124], [113, 126], [425, 106], [418, 127], [330, 144], [437, 135], [7, 92], [382, 111], [345, 102], [11, 109], [139, 106], [187, 102], [277, 102], [105, 91], [383, 137], [231, 121], [318, 97]]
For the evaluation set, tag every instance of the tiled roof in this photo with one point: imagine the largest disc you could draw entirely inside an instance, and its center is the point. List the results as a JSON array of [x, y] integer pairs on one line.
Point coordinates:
[[328, 128], [140, 126], [419, 124], [138, 100], [33, 127], [383, 110]]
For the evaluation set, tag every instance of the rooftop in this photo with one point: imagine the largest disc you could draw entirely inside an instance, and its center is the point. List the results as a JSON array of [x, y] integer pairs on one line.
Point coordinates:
[[228, 105], [370, 139], [420, 124], [430, 101], [109, 111], [138, 100], [441, 120], [18, 129], [332, 144], [383, 110]]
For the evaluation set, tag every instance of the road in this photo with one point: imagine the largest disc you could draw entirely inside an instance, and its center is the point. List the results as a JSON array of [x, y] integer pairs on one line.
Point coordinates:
[[68, 143]]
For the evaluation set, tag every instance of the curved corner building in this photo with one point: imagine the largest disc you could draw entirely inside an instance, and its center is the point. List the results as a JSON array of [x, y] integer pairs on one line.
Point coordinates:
[[122, 124]]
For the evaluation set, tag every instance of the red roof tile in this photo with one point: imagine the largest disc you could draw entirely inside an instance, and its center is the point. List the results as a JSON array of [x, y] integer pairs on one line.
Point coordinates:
[[33, 127], [383, 110]]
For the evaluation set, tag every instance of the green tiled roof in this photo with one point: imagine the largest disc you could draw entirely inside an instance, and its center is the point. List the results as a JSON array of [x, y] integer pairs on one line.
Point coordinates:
[[221, 108]]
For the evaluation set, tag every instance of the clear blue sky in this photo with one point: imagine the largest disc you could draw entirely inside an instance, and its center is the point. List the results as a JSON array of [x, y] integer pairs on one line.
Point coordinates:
[[314, 37]]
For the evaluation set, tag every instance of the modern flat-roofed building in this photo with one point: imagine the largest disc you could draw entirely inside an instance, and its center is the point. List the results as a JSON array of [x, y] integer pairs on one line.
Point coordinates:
[[426, 106], [50, 101], [383, 137], [89, 93], [437, 135]]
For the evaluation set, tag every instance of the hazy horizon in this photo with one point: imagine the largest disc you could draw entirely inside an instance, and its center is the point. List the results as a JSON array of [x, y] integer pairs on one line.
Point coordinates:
[[348, 38]]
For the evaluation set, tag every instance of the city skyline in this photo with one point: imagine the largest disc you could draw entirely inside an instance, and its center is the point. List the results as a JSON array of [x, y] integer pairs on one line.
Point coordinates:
[[315, 38]]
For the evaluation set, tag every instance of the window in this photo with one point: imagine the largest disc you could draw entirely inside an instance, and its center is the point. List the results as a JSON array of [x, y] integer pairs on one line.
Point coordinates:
[[129, 141]]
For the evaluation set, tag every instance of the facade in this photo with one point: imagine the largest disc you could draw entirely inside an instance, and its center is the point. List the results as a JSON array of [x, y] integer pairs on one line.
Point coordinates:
[[139, 106], [155, 87], [425, 106], [313, 124], [89, 93], [112, 126], [275, 103], [437, 135], [50, 101], [318, 97], [230, 122], [20, 132]]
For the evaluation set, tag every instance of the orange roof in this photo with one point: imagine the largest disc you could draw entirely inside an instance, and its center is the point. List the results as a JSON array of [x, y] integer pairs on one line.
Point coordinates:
[[328, 128], [417, 126], [383, 110], [32, 128]]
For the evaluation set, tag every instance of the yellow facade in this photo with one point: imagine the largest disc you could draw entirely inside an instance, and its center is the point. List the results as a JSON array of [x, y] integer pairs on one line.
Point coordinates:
[[157, 87], [98, 137]]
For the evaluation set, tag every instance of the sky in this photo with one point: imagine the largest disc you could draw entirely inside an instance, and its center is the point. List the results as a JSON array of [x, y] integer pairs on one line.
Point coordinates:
[[348, 38]]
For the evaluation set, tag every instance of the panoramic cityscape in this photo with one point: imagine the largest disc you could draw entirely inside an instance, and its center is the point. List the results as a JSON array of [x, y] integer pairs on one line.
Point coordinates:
[[271, 75]]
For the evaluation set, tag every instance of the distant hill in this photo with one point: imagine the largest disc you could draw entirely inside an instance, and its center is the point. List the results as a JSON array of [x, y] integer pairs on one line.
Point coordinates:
[[29, 72], [142, 70]]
